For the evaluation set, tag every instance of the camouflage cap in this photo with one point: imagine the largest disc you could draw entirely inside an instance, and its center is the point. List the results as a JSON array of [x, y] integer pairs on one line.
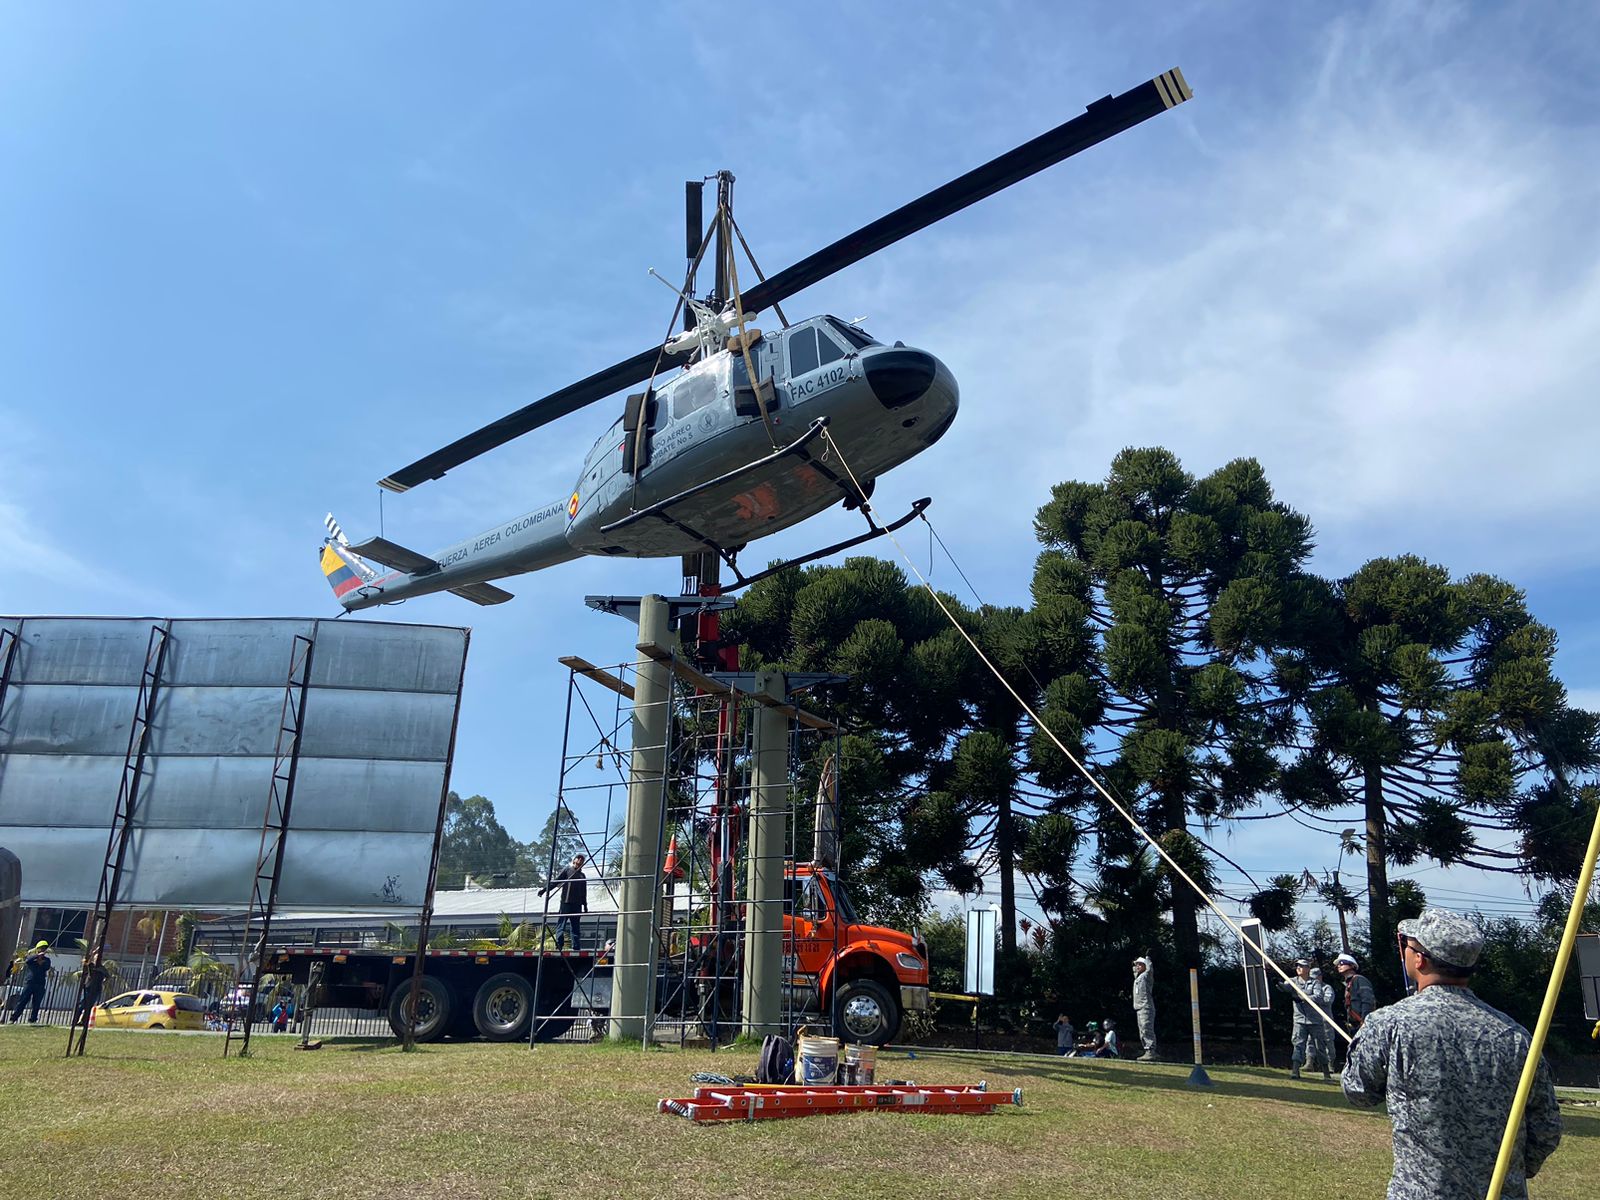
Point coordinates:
[[1449, 938]]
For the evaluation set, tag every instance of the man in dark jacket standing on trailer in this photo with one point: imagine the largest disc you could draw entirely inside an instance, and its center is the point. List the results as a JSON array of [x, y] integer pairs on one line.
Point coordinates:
[[574, 885]]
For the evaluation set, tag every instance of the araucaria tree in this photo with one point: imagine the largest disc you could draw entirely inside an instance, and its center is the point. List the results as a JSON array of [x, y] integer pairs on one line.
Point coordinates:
[[1188, 586], [1433, 705], [908, 696]]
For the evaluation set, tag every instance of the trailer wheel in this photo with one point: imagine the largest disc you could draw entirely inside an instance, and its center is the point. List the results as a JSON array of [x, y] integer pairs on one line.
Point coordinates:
[[433, 1010], [503, 1006], [865, 1013]]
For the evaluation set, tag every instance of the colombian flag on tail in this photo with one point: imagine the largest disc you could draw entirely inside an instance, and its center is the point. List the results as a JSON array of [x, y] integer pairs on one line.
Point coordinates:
[[342, 577]]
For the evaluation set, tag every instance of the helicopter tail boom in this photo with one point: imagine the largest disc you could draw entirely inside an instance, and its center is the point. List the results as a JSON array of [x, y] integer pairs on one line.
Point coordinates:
[[528, 543]]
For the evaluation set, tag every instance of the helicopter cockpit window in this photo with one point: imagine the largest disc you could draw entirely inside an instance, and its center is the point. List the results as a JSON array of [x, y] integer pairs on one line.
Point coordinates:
[[829, 350], [856, 337], [802, 352], [694, 391]]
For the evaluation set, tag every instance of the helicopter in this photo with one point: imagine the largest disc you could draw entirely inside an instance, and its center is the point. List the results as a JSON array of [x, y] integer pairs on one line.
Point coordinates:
[[736, 445]]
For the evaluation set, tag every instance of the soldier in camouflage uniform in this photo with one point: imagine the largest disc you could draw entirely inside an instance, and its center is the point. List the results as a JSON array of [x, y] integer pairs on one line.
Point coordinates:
[[1307, 1023], [1144, 1008], [1325, 1035], [1448, 1066]]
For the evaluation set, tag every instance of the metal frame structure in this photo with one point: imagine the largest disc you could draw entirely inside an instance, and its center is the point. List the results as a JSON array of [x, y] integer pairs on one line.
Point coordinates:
[[121, 824], [705, 802], [275, 825], [9, 642], [425, 921]]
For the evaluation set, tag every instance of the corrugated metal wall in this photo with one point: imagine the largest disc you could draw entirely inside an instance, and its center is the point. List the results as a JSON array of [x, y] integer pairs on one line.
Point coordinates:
[[379, 716]]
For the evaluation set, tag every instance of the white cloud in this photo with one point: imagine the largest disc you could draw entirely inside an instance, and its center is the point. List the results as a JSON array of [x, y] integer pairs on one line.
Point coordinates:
[[27, 551], [1386, 291]]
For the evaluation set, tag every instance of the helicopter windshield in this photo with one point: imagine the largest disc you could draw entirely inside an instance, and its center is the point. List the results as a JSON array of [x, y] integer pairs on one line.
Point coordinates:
[[858, 338]]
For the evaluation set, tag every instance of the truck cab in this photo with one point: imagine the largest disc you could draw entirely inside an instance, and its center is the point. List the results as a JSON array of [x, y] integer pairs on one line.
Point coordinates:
[[866, 976]]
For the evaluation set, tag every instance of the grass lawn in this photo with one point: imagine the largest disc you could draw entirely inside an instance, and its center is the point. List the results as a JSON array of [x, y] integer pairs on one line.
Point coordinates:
[[162, 1114]]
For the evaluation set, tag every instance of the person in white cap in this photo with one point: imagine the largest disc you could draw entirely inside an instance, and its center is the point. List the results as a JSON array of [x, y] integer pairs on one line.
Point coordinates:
[[1359, 998], [1448, 1067], [1144, 1007]]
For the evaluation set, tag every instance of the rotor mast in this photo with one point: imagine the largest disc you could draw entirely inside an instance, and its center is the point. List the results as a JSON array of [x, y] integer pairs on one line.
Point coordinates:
[[724, 247]]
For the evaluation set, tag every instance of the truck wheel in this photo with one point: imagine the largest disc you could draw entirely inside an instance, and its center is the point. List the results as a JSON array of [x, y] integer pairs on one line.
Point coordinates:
[[865, 1013], [503, 1006], [433, 1010]]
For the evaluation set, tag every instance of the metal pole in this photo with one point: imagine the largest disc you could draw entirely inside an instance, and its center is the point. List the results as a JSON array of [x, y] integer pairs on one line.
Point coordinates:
[[1261, 1032], [636, 944], [550, 870], [659, 896], [425, 921], [763, 977]]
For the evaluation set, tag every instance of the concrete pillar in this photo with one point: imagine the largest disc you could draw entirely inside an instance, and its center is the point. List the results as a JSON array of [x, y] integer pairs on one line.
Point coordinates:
[[769, 813], [641, 852]]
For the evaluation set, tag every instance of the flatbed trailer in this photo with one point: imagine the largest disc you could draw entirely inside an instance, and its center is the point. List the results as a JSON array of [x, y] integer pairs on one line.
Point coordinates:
[[490, 993]]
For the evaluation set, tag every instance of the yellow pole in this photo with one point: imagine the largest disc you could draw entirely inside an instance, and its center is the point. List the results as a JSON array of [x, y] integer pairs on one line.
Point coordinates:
[[1194, 1010], [1530, 1069]]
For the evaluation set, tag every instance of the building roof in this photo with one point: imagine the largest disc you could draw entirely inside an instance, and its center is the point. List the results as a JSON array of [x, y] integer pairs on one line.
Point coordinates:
[[458, 906]]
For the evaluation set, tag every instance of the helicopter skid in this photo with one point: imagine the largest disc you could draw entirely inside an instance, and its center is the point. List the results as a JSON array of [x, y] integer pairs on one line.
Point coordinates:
[[874, 531]]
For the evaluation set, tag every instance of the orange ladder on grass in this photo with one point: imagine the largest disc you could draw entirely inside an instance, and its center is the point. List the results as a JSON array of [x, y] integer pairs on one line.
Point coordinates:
[[772, 1101]]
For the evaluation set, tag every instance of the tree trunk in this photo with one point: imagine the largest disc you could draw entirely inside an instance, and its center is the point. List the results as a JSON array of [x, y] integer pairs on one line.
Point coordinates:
[[1380, 920], [1185, 904], [1008, 880]]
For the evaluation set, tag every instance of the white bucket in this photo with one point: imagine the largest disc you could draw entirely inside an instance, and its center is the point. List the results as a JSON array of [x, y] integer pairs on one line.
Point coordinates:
[[860, 1065], [818, 1060]]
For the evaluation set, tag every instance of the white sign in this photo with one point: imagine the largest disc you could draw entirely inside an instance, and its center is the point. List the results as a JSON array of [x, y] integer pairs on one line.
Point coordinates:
[[1589, 973], [1253, 948], [983, 924]]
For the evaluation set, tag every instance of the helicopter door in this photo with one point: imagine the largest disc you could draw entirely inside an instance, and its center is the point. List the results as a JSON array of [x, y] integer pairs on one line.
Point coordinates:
[[745, 396], [642, 409]]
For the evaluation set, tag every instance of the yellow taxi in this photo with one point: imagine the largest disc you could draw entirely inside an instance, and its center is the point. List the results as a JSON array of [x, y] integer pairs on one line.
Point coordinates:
[[151, 1010]]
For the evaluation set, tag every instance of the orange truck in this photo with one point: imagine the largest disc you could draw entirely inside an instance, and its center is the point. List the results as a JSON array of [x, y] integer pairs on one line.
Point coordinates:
[[861, 978], [866, 977]]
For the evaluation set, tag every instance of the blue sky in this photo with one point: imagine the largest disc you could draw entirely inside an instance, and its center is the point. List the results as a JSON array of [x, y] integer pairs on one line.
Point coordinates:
[[253, 260]]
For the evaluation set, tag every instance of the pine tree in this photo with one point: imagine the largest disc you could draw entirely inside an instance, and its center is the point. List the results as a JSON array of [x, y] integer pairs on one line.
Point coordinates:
[[1188, 586], [1432, 705]]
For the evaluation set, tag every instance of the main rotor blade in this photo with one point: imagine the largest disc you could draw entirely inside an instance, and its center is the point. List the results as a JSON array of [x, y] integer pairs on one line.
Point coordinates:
[[541, 412], [1103, 119]]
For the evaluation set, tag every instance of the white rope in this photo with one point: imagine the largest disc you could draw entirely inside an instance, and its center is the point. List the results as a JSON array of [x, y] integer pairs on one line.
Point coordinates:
[[1073, 759]]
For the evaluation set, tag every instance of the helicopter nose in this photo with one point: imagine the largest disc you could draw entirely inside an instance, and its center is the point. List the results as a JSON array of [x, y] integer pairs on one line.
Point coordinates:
[[900, 376]]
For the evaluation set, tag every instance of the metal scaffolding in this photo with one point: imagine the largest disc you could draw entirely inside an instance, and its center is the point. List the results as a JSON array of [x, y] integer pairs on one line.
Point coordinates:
[[274, 828], [133, 764], [735, 807]]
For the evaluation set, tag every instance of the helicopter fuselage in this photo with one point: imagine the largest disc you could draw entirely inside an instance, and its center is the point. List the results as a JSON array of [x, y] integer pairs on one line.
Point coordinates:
[[883, 405]]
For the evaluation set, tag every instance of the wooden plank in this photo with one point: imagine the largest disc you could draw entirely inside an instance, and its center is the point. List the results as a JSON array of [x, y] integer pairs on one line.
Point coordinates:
[[716, 687], [589, 671]]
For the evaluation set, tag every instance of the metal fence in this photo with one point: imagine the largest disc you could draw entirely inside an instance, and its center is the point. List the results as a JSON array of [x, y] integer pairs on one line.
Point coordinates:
[[61, 991]]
